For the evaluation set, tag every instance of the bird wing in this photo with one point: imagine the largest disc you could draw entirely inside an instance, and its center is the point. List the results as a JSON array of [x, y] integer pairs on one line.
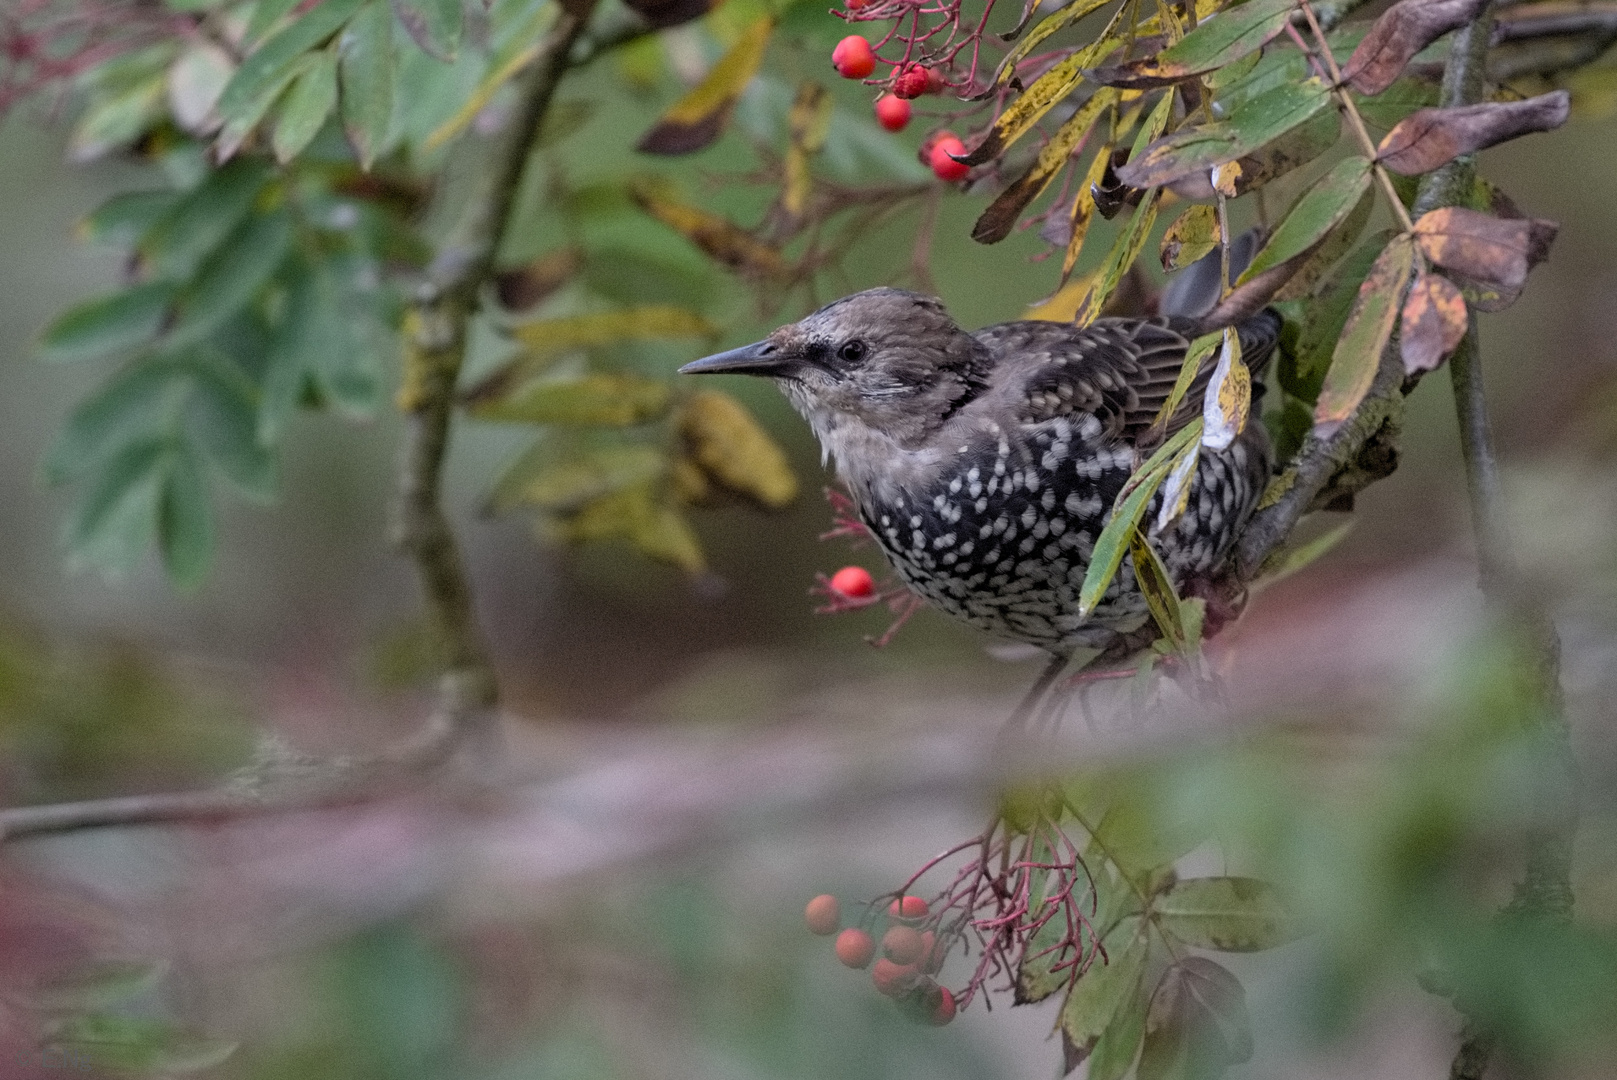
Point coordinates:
[[1121, 371]]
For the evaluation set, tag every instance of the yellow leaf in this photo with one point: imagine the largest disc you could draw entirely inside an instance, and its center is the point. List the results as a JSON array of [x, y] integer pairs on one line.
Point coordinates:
[[634, 514], [1229, 396], [729, 446], [698, 118], [547, 339], [1122, 256], [567, 485], [996, 222], [1083, 210], [594, 400], [1192, 235], [810, 120], [722, 240], [1063, 306]]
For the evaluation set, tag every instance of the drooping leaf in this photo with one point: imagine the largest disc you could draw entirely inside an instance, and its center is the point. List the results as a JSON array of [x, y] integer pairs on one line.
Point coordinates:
[[1328, 308], [268, 64], [1228, 399], [1402, 31], [1113, 541], [634, 515], [808, 123], [140, 1045], [997, 220], [1102, 991], [195, 82], [1221, 40], [185, 522], [366, 67], [725, 442], [1231, 914], [434, 25], [1193, 234], [222, 417], [1152, 578], [92, 986], [1337, 243], [1315, 214], [1393, 105], [1273, 159], [1197, 1024], [523, 45], [1083, 211], [1050, 24], [127, 216], [546, 339], [115, 522], [723, 241], [593, 400], [1117, 1048], [1195, 355], [109, 324], [1500, 251], [697, 119], [309, 101], [1259, 121], [1433, 137], [118, 119], [135, 404], [1433, 322], [1125, 250], [1364, 337], [1039, 98]]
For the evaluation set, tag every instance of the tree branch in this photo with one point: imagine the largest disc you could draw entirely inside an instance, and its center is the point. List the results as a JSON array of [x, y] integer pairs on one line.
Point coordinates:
[[435, 348]]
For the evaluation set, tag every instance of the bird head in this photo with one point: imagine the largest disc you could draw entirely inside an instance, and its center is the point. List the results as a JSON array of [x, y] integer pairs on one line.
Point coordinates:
[[891, 361]]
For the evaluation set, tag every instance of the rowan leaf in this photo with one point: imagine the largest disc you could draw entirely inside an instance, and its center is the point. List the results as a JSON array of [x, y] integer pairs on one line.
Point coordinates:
[[1198, 351], [591, 400], [1152, 576], [1125, 250], [720, 239], [732, 449], [268, 64], [1498, 251], [1229, 396], [1119, 1045], [1320, 209], [997, 220], [1050, 24], [698, 119], [185, 533], [1100, 993], [1292, 150], [1231, 914], [546, 339], [523, 45], [1040, 97], [366, 66], [230, 277], [1256, 123], [1193, 234], [1364, 337], [1337, 243], [1402, 31], [312, 96], [1126, 513], [1433, 137], [1197, 1024], [109, 324], [1083, 211], [1221, 40], [537, 479], [523, 287], [634, 515], [808, 123], [434, 25], [1433, 322]]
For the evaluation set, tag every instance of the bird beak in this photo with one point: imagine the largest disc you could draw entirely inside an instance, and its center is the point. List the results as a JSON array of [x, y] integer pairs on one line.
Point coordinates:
[[759, 358]]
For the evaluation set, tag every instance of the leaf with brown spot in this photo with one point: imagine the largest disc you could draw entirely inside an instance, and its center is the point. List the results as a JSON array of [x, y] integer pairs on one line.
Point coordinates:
[[720, 239], [1364, 338], [1402, 31], [697, 119], [808, 122], [997, 220], [1152, 576], [1433, 137], [1192, 235], [1231, 914], [1222, 40], [1083, 209], [1434, 321], [1258, 122], [1197, 1024], [1124, 251], [1276, 158], [1496, 251], [1050, 24], [1228, 400]]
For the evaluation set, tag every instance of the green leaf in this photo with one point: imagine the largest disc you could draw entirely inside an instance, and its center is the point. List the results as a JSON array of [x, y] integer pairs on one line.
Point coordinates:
[[1259, 121], [1227, 37], [1365, 336], [434, 25], [108, 324], [266, 14], [1293, 559], [1119, 1045], [230, 277], [1137, 840], [136, 1044], [1337, 243], [127, 216], [310, 100], [199, 222], [185, 523], [1101, 992], [1125, 251], [270, 63], [604, 400], [137, 403], [1231, 914], [1315, 214], [1325, 315], [115, 523], [366, 51], [117, 121], [222, 416], [1152, 577], [1126, 514]]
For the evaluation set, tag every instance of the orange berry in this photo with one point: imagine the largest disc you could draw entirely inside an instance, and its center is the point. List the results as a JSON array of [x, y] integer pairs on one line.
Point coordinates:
[[853, 582], [823, 915], [903, 945], [893, 979], [908, 907], [855, 947], [853, 57], [892, 113], [945, 1009], [942, 159]]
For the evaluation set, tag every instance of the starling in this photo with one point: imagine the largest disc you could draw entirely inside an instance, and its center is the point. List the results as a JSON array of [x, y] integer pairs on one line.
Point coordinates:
[[986, 463]]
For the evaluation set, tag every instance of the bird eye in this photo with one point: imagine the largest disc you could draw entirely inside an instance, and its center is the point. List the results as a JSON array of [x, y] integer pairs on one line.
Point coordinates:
[[852, 352]]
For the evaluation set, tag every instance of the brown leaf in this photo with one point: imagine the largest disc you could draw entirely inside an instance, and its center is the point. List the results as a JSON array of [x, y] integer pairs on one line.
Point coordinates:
[[1496, 251], [997, 220], [1111, 194], [523, 287], [661, 14], [1402, 31], [809, 121], [718, 237], [1434, 321], [698, 118], [1432, 137], [1197, 1022], [1369, 326]]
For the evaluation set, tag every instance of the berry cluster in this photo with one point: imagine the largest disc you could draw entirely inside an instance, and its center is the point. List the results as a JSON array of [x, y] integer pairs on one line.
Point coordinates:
[[854, 58], [910, 956]]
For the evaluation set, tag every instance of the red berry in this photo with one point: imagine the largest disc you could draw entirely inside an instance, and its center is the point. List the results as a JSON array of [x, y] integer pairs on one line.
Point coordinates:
[[856, 5], [903, 945], [912, 82], [908, 907], [855, 947], [944, 151], [892, 113], [823, 915], [853, 58], [853, 582], [892, 979], [945, 1010]]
